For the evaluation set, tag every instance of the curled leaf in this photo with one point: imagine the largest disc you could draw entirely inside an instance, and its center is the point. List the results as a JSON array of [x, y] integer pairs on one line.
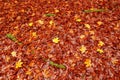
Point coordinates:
[[49, 14], [12, 37], [57, 65], [94, 10]]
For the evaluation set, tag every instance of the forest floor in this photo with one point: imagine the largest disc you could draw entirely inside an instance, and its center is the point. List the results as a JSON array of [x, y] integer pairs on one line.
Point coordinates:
[[59, 39]]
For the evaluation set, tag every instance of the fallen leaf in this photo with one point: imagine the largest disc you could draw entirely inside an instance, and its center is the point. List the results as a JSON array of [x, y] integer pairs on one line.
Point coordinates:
[[82, 36], [46, 73], [7, 58], [28, 72], [40, 22], [92, 32], [18, 64], [56, 40], [57, 65], [100, 43], [94, 10], [114, 60], [49, 14], [51, 22], [34, 34], [83, 49], [11, 36], [13, 53], [88, 63], [56, 10], [100, 51], [99, 23], [78, 20], [30, 24], [87, 26]]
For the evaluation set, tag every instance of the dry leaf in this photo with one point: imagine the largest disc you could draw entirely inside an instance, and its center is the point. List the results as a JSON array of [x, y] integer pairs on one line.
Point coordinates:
[[40, 22], [83, 49], [13, 53], [46, 73], [87, 63], [100, 51], [34, 34], [30, 24], [56, 10], [99, 23], [87, 26], [78, 20], [82, 36], [100, 43], [51, 22], [114, 60], [56, 40], [18, 64], [28, 72]]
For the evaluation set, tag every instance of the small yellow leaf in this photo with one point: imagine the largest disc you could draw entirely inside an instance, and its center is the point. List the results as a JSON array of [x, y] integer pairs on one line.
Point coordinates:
[[40, 22], [56, 10], [83, 49], [13, 53], [88, 63], [18, 64], [56, 40], [51, 22], [34, 34], [87, 26], [100, 43], [78, 20], [100, 51], [30, 24], [99, 23], [82, 36]]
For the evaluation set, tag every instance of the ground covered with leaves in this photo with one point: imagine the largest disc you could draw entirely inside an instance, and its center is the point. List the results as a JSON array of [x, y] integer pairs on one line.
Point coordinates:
[[59, 39]]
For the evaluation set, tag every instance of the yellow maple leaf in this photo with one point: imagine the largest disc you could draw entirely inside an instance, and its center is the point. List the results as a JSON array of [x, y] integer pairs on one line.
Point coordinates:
[[56, 40], [13, 53], [51, 22], [88, 63], [87, 26], [18, 64], [40, 22], [99, 23], [83, 49], [78, 20], [100, 51], [82, 36], [56, 10], [34, 34], [30, 24], [100, 43]]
